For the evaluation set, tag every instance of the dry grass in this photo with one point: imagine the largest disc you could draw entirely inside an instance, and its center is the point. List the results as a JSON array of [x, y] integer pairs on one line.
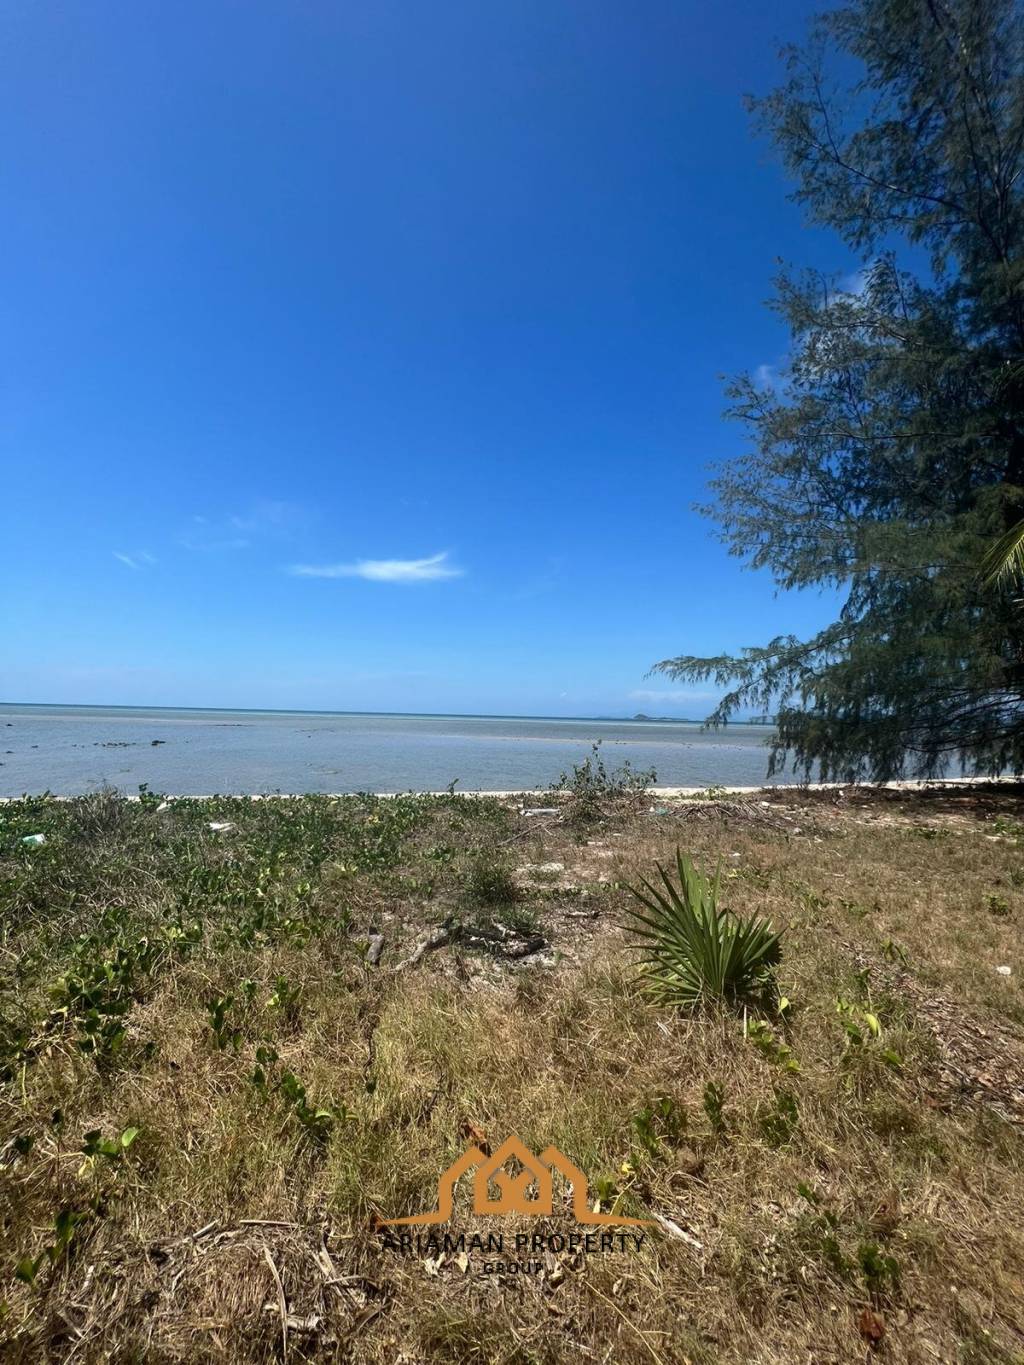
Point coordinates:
[[841, 1207]]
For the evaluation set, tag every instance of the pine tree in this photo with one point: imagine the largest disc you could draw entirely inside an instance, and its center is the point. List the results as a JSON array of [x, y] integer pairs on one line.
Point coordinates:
[[891, 455]]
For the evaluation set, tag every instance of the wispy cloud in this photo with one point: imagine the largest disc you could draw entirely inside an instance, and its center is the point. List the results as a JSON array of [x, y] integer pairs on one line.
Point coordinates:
[[384, 570], [138, 559], [769, 377], [261, 521], [855, 283], [672, 694]]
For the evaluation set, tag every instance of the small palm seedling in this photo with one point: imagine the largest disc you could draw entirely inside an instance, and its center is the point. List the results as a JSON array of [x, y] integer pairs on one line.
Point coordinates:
[[693, 951]]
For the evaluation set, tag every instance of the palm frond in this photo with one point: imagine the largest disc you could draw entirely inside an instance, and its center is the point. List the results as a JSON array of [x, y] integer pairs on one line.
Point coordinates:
[[690, 949], [1004, 559]]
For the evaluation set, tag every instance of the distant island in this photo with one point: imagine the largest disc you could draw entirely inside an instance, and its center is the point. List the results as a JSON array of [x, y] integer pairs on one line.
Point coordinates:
[[682, 720]]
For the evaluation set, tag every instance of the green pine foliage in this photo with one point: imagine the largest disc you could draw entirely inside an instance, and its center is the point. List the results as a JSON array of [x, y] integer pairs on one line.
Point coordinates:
[[887, 456]]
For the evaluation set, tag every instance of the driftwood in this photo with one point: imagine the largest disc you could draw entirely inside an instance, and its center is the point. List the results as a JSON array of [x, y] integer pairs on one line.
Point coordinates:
[[437, 940], [673, 1229], [736, 811], [496, 939], [376, 947]]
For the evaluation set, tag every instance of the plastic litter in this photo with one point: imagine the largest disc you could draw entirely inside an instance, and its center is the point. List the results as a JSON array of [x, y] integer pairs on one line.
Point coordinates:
[[219, 826], [541, 810], [34, 839], [1005, 971], [659, 810]]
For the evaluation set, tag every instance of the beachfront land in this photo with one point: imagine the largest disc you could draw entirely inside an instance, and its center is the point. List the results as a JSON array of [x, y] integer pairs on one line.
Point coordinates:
[[237, 1035]]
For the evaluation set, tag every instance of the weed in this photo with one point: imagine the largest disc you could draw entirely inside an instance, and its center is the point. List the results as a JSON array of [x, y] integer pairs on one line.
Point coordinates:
[[591, 786], [266, 1057], [97, 1148], [878, 1269], [779, 1123], [285, 1000], [316, 1123], [863, 1030], [149, 921], [819, 1231], [491, 882], [714, 1108], [65, 1224], [661, 1121], [765, 1041], [101, 991], [224, 1035], [892, 952]]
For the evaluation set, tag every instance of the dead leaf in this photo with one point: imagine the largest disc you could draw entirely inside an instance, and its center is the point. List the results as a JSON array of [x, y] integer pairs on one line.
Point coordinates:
[[871, 1326], [477, 1136], [462, 1261]]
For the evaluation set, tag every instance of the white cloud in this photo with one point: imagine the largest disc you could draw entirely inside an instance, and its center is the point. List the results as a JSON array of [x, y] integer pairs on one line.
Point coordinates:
[[138, 559], [260, 521], [384, 570], [854, 284], [769, 377]]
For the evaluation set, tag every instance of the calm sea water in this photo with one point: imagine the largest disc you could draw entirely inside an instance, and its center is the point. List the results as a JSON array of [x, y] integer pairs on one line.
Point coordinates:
[[68, 750]]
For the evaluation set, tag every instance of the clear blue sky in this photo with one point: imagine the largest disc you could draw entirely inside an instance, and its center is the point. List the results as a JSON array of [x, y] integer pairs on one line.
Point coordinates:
[[367, 355]]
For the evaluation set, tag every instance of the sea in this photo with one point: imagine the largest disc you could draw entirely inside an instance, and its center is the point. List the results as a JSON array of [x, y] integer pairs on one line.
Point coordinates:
[[70, 750]]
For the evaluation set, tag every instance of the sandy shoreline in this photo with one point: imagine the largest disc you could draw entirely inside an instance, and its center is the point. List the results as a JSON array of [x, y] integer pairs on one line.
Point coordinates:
[[901, 784]]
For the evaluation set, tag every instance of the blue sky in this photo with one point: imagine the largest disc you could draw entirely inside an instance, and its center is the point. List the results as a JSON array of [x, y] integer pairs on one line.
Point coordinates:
[[367, 355]]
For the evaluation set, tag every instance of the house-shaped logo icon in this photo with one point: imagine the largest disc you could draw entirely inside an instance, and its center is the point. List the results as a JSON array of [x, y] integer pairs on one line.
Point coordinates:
[[514, 1186]]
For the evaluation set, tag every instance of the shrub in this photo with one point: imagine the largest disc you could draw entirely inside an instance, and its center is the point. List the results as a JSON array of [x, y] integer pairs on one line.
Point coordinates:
[[491, 882], [692, 951], [590, 785]]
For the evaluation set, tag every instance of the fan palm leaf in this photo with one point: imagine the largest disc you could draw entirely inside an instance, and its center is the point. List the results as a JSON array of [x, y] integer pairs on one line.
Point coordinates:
[[690, 950]]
